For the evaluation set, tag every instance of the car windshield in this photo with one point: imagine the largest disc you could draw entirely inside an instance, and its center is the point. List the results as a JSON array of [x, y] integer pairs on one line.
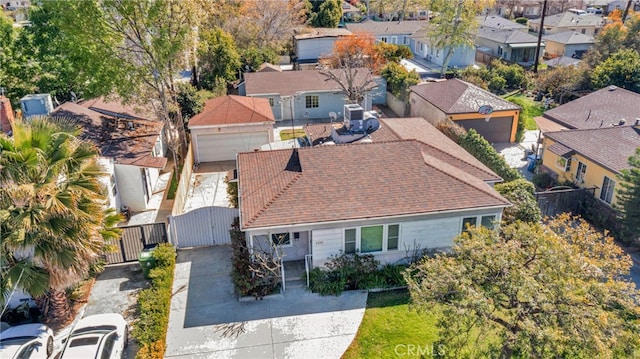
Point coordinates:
[[94, 329], [84, 341], [15, 341]]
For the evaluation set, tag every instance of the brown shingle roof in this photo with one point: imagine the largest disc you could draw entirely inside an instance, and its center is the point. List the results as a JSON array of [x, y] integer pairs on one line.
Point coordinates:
[[457, 96], [602, 108], [233, 110], [610, 147], [354, 181], [115, 107], [288, 83], [114, 138], [415, 128]]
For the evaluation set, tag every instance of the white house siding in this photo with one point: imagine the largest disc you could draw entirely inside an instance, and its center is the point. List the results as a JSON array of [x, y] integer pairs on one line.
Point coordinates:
[[312, 49], [130, 186], [326, 242], [463, 56], [222, 143]]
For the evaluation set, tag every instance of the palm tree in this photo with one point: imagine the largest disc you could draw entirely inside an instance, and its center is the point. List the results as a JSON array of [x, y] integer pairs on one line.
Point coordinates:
[[53, 220]]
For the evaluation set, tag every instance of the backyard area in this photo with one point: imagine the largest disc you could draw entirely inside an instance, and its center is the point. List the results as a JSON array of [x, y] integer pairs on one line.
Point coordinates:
[[530, 109]]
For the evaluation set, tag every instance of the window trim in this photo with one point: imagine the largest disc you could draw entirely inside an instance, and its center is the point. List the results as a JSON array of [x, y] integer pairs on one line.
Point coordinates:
[[580, 175], [567, 163], [290, 244], [478, 221], [610, 189], [385, 238], [311, 101]]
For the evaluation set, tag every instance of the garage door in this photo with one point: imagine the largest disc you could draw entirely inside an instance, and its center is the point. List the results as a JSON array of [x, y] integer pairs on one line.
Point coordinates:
[[496, 130], [224, 147]]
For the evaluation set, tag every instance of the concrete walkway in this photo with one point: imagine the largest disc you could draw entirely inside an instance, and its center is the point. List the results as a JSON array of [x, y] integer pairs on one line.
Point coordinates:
[[514, 153], [207, 321]]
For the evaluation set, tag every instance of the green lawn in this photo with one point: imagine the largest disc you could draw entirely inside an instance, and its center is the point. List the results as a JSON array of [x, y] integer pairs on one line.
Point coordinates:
[[291, 134], [390, 329], [389, 326], [530, 109]]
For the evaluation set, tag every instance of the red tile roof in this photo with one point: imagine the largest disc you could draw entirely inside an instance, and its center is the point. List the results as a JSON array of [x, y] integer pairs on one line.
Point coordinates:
[[609, 147], [6, 115], [355, 181], [233, 110], [114, 138], [416, 128], [456, 96]]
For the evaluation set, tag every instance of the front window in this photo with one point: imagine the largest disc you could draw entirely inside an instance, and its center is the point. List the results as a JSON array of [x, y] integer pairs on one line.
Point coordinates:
[[371, 239], [350, 241], [606, 193], [383, 39], [281, 239], [488, 221], [582, 171], [393, 236], [312, 101], [563, 163], [271, 101], [468, 222]]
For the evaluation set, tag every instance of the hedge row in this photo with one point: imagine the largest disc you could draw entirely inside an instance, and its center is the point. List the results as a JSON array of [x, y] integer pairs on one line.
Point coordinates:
[[481, 149], [150, 330]]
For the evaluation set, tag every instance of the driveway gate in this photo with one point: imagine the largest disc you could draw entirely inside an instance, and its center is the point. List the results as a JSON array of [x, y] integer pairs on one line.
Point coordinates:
[[134, 239], [205, 226]]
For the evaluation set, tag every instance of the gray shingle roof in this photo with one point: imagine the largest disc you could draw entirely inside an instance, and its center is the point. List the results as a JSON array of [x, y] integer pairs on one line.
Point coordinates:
[[570, 38], [457, 96], [603, 108], [562, 61], [568, 19], [507, 36], [287, 83], [386, 27], [609, 147], [498, 22]]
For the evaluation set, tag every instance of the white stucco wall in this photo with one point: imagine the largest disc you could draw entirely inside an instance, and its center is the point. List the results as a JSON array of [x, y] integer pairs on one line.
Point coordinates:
[[419, 107]]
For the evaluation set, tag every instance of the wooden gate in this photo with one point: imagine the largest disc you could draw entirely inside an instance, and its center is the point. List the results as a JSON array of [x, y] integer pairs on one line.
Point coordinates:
[[206, 226], [134, 239], [571, 200]]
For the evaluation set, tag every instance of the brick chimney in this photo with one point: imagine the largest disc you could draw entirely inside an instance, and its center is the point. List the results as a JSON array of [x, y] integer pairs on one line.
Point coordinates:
[[6, 115]]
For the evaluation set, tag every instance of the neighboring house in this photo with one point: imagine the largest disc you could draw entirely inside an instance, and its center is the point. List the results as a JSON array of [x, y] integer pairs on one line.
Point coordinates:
[[421, 46], [6, 116], [350, 12], [391, 32], [461, 102], [228, 125], [562, 61], [568, 43], [609, 106], [567, 21], [522, 8], [592, 157], [499, 23], [510, 44], [267, 67], [314, 44], [131, 146], [359, 198], [305, 94]]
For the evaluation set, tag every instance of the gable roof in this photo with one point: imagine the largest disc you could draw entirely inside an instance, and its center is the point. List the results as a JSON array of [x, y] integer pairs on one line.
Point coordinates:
[[602, 108], [457, 96], [498, 22], [113, 137], [378, 28], [288, 83], [434, 142], [330, 186], [609, 147], [233, 110], [570, 38], [568, 19], [507, 36], [562, 61], [267, 67]]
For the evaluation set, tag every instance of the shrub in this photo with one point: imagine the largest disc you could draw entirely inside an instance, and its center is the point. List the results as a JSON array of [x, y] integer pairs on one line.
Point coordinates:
[[543, 180], [150, 329], [481, 149], [452, 130], [522, 20], [326, 282], [521, 193], [232, 192]]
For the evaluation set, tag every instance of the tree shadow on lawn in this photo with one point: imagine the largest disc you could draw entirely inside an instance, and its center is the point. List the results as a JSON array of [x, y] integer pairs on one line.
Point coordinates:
[[388, 298]]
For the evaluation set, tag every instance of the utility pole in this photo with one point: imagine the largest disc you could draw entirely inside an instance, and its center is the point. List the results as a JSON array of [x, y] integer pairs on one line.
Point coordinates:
[[626, 11], [540, 30]]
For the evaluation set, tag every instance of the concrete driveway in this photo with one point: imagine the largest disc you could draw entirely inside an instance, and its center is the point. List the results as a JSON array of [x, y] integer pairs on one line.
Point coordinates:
[[207, 321]]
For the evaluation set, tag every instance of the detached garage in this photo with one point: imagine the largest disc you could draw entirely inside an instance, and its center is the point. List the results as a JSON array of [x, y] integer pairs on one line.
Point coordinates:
[[229, 125], [467, 105]]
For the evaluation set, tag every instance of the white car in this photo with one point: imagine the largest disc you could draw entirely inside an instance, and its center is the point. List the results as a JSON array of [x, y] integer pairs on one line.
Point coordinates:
[[101, 336], [26, 341]]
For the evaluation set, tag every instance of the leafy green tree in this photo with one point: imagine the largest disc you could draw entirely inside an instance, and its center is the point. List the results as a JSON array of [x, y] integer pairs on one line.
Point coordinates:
[[53, 221], [621, 69], [521, 193], [254, 56], [393, 52], [544, 292], [454, 26], [399, 79], [629, 197], [17, 72], [326, 13], [218, 58], [560, 83]]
